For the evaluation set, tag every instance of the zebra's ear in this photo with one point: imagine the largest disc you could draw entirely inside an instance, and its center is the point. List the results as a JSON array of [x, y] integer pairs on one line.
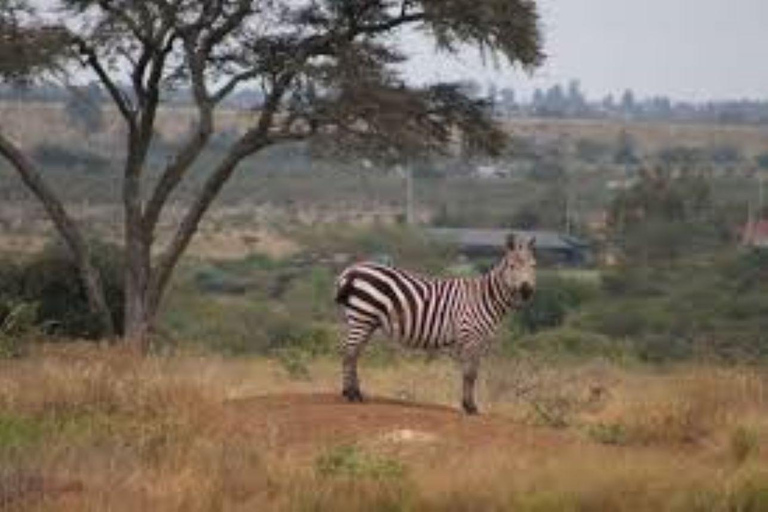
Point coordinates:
[[511, 241]]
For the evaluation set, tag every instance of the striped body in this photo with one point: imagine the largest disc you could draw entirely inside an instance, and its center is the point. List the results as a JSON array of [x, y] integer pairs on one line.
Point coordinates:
[[422, 312], [430, 313]]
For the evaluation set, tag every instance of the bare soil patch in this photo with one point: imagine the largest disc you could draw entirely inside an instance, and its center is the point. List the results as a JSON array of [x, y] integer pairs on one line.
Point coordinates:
[[297, 421]]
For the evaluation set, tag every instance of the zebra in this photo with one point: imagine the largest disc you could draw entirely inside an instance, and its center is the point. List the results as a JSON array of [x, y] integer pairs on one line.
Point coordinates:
[[432, 313]]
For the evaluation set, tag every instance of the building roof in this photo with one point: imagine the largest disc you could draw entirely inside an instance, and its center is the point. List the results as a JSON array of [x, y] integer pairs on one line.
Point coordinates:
[[497, 238], [755, 233]]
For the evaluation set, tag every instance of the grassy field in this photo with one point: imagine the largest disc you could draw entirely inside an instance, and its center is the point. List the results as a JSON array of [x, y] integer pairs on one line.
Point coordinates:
[[32, 123], [84, 429]]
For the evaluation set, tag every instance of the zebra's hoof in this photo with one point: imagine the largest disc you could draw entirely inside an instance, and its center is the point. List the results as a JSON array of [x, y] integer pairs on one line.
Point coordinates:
[[469, 408], [352, 395]]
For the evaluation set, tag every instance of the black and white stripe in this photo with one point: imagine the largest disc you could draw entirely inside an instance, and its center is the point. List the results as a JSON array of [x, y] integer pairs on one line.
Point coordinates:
[[430, 313]]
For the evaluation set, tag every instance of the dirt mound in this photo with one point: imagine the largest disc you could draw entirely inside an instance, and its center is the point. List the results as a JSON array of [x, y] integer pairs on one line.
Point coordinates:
[[296, 421]]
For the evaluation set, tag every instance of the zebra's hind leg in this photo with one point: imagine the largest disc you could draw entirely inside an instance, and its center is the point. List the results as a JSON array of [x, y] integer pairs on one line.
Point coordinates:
[[470, 365], [358, 334]]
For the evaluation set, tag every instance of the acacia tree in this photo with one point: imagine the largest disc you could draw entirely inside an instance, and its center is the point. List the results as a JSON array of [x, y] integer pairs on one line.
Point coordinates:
[[327, 69]]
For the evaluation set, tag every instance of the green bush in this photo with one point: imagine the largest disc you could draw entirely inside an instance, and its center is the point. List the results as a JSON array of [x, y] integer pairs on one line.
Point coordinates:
[[406, 247], [608, 433], [555, 296], [17, 325], [572, 342], [59, 156], [351, 462], [51, 280]]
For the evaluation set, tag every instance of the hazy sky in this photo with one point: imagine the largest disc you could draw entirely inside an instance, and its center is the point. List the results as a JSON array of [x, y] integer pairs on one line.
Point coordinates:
[[687, 49]]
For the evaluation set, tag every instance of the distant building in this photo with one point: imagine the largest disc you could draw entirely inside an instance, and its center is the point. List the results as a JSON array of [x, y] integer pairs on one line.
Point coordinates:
[[755, 234], [556, 249], [490, 171]]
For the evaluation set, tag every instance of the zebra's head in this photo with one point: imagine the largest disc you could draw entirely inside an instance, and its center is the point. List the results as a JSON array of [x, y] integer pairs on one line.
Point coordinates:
[[519, 266]]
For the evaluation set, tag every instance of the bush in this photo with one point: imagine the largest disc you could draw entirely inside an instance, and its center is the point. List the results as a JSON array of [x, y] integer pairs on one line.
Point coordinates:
[[405, 247], [51, 280], [17, 323], [555, 297], [573, 342], [351, 462], [58, 156]]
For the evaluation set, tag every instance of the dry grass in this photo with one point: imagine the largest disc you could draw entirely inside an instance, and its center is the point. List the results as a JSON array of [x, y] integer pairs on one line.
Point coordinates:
[[89, 429], [33, 123]]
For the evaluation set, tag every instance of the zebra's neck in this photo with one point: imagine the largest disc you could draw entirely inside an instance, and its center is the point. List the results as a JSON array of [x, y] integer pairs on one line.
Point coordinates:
[[500, 296]]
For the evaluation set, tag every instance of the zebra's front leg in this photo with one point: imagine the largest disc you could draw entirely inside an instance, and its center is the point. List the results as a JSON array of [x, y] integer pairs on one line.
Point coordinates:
[[470, 365], [357, 337]]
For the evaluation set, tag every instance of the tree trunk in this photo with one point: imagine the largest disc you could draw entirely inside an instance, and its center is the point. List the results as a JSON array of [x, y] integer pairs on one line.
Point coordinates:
[[67, 228], [139, 321], [139, 314]]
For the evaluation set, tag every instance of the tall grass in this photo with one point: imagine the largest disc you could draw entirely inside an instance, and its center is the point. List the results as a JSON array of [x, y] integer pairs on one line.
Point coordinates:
[[92, 429]]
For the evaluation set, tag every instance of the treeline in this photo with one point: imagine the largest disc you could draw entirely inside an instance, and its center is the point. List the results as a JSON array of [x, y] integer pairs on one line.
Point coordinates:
[[92, 92], [563, 101], [569, 101]]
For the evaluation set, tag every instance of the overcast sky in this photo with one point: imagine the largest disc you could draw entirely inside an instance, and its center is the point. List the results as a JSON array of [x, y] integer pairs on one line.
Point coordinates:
[[686, 49]]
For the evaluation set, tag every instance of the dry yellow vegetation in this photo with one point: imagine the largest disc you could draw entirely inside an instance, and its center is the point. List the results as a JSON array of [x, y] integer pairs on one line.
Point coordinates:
[[33, 123], [84, 429]]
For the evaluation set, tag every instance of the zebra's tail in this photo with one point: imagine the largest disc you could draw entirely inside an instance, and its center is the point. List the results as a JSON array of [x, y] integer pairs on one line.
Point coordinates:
[[344, 288]]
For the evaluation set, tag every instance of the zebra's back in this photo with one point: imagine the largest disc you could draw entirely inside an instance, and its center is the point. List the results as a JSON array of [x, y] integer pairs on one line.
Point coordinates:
[[418, 311]]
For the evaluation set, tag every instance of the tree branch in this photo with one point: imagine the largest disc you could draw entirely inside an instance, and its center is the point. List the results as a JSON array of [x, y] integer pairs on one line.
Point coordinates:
[[233, 82], [141, 32], [385, 26], [252, 141], [123, 104], [66, 227]]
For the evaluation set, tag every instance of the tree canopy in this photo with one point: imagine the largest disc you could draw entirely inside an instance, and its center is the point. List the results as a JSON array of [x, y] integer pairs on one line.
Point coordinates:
[[327, 69]]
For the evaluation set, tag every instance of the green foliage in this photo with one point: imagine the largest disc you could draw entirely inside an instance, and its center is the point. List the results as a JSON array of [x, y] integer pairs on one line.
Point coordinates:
[[570, 342], [555, 297], [627, 150], [663, 218], [708, 308], [269, 313], [608, 433], [295, 362], [592, 151], [28, 49], [349, 461], [750, 496], [681, 155], [18, 323], [726, 154], [52, 282], [52, 155], [213, 279], [762, 160], [18, 432], [406, 247]]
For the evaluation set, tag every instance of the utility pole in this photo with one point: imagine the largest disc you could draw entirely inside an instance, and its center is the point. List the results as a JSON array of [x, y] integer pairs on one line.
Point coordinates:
[[760, 196], [406, 171], [409, 214]]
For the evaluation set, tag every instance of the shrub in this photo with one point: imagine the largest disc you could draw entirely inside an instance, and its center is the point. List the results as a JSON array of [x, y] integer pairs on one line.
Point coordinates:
[[555, 297], [17, 323], [573, 342], [608, 433], [59, 156], [51, 280], [350, 461], [762, 160]]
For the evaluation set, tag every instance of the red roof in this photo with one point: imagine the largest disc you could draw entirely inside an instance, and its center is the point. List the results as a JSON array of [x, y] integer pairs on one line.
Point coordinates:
[[755, 233]]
